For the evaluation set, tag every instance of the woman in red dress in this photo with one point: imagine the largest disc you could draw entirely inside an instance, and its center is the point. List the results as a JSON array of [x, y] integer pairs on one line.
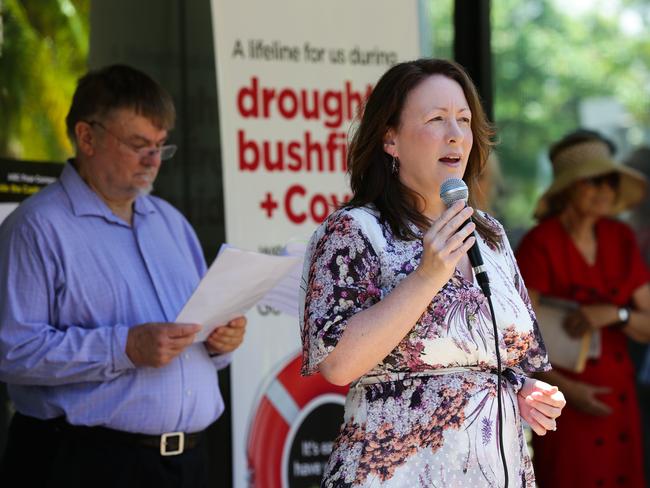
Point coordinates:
[[578, 252]]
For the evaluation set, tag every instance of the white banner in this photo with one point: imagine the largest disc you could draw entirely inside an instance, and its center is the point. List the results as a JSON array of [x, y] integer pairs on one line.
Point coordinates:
[[291, 76]]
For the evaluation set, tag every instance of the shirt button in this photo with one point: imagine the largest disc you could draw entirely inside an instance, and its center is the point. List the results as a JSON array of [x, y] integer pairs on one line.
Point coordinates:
[[188, 392], [186, 355]]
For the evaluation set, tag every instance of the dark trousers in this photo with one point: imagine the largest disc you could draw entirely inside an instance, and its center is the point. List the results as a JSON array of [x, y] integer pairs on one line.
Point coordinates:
[[41, 455]]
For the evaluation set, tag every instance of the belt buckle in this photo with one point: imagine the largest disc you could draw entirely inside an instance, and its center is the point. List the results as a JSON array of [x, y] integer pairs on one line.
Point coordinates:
[[166, 437]]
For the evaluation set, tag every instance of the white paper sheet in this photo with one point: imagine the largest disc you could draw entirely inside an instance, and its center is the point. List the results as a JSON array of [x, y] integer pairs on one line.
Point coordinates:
[[284, 296], [235, 281]]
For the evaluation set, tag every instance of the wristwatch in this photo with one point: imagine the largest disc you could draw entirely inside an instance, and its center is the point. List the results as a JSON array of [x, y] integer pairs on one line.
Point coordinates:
[[623, 315]]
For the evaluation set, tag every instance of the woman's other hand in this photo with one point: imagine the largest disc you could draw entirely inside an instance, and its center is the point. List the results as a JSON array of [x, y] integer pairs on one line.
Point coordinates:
[[589, 317], [540, 404]]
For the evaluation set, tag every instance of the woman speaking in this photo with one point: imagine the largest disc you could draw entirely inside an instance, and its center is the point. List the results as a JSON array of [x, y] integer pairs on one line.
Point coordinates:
[[392, 305]]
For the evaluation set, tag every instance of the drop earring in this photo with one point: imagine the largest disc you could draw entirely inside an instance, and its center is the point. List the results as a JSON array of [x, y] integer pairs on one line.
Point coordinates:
[[395, 166]]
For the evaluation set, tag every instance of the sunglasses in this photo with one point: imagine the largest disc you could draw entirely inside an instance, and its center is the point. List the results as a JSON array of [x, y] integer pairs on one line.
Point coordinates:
[[610, 179]]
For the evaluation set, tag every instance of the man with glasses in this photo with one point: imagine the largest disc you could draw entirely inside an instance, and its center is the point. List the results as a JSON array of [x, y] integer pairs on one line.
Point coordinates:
[[108, 390]]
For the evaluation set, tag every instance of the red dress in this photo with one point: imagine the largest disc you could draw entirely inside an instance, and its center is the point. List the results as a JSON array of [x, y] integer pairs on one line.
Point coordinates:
[[590, 451]]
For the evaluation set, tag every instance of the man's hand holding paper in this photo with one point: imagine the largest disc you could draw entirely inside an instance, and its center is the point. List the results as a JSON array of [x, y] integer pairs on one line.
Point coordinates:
[[156, 344], [234, 283], [227, 338]]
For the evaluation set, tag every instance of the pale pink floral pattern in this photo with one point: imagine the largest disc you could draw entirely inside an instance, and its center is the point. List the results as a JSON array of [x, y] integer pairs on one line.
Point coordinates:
[[426, 415]]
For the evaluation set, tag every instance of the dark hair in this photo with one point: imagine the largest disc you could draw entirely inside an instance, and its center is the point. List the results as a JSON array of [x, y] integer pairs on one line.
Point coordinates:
[[119, 86], [578, 136], [639, 159], [557, 202], [369, 165]]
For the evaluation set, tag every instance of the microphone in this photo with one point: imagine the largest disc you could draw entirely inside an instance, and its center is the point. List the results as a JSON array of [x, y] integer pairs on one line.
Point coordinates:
[[452, 190]]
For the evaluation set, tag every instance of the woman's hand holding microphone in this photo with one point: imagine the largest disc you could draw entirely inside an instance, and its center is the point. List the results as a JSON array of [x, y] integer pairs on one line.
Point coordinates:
[[445, 243]]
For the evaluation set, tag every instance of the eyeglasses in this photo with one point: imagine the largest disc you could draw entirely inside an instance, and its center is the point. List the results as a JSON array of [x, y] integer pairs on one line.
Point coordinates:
[[610, 179], [166, 152]]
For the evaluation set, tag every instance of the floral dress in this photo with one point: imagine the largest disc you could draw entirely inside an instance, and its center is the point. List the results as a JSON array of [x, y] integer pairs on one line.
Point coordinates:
[[427, 414]]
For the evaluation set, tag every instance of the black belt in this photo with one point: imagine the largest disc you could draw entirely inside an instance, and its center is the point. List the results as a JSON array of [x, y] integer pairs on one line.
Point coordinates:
[[168, 444]]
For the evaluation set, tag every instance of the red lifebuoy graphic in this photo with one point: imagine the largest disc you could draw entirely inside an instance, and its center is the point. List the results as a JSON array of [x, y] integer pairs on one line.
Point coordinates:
[[287, 403]]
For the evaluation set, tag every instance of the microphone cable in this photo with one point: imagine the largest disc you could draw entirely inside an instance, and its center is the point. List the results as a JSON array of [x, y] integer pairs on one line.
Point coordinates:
[[486, 291]]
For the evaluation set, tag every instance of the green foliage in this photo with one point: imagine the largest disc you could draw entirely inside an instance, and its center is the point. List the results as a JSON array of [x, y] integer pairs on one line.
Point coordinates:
[[43, 50], [547, 59], [442, 17]]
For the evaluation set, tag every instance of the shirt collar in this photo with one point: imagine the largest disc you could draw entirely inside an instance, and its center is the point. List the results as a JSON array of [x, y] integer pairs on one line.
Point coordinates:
[[143, 205], [85, 201]]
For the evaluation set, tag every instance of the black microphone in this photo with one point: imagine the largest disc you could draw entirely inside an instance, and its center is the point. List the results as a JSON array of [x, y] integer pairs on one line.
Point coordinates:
[[452, 190]]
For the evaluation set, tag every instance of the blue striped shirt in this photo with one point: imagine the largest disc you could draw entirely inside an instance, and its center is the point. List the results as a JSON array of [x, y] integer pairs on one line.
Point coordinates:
[[76, 277]]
